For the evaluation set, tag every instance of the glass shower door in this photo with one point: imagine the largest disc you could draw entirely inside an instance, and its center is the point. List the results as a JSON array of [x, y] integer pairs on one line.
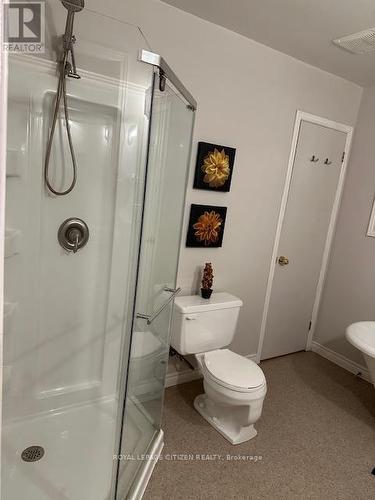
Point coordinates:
[[169, 154], [68, 315]]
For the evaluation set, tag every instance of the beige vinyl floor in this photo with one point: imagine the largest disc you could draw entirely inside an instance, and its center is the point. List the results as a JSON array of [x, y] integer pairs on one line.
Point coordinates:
[[316, 440]]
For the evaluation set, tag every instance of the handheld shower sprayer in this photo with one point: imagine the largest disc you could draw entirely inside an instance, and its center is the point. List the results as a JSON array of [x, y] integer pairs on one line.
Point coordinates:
[[66, 68], [69, 39]]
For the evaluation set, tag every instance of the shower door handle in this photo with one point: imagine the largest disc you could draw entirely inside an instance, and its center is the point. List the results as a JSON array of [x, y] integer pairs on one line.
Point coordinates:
[[151, 317]]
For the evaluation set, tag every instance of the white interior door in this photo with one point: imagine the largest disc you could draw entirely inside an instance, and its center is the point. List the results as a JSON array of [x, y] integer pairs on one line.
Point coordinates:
[[312, 192]]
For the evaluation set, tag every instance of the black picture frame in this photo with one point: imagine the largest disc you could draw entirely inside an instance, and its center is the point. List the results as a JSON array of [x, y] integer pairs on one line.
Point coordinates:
[[206, 235], [214, 167]]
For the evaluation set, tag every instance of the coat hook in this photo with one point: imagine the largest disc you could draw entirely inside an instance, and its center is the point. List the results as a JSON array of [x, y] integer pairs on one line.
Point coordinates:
[[314, 159], [327, 162]]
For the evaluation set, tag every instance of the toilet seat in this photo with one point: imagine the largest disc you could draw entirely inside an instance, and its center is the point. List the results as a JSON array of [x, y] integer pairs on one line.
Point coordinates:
[[232, 371]]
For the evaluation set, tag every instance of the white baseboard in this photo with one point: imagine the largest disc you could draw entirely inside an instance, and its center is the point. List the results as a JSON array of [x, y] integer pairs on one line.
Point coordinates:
[[176, 378], [342, 361]]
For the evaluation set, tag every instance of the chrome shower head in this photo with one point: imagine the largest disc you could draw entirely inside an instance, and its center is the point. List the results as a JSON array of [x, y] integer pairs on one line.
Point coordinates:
[[73, 5]]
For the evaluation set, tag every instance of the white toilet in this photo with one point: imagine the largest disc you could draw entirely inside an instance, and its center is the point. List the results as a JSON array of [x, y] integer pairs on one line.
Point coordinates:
[[235, 386]]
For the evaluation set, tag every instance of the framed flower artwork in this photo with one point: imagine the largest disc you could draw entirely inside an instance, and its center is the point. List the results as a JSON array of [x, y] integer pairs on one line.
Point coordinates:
[[214, 167], [206, 226]]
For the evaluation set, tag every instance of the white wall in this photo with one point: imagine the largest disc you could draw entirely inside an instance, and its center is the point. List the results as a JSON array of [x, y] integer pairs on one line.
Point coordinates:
[[350, 287], [247, 96]]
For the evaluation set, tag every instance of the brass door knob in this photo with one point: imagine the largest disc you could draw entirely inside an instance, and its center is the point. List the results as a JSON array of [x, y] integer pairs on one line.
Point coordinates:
[[283, 261]]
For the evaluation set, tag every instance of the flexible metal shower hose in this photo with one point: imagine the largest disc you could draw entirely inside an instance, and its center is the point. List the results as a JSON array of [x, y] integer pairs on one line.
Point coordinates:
[[61, 92]]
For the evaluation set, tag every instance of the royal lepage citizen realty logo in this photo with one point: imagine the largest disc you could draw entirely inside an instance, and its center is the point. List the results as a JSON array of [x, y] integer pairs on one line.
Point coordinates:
[[24, 27]]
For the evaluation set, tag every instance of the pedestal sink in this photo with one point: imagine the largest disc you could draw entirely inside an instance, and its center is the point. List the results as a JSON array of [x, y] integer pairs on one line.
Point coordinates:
[[362, 336]]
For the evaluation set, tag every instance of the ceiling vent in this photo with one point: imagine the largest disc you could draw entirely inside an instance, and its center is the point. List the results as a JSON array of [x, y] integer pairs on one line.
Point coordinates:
[[358, 43]]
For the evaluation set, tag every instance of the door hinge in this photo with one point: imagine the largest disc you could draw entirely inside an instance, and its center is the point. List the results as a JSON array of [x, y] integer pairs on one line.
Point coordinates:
[[343, 157], [310, 324]]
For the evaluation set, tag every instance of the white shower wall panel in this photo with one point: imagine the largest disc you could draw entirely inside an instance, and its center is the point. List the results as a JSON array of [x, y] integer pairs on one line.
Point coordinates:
[[66, 333]]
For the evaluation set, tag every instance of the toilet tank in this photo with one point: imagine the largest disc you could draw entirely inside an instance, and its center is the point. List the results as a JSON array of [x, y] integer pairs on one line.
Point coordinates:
[[200, 325]]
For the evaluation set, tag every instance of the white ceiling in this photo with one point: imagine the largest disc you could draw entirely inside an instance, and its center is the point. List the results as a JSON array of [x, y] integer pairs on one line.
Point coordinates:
[[303, 29]]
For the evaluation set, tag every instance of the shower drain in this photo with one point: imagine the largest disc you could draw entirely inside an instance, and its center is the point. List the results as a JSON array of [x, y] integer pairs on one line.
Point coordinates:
[[32, 453]]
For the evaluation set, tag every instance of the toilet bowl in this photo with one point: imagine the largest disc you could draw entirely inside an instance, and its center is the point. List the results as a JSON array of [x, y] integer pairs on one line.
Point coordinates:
[[147, 365], [235, 387]]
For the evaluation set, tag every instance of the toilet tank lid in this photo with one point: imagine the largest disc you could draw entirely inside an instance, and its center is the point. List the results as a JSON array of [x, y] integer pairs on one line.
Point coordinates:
[[195, 303]]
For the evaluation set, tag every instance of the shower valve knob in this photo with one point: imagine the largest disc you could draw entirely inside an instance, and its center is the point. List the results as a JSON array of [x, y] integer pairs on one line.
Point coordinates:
[[73, 234]]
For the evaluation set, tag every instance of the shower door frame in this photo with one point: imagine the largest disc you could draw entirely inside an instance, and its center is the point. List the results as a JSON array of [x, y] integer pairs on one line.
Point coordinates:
[[3, 139], [155, 447], [157, 61]]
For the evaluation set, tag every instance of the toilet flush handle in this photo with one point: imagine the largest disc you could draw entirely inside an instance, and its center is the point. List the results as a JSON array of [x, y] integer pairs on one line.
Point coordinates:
[[191, 317]]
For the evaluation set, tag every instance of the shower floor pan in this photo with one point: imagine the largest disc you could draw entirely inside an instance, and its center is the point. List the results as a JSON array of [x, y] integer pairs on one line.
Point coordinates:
[[78, 454]]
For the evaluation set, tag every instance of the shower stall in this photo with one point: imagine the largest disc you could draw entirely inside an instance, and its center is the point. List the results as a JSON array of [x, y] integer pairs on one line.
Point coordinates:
[[93, 221]]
